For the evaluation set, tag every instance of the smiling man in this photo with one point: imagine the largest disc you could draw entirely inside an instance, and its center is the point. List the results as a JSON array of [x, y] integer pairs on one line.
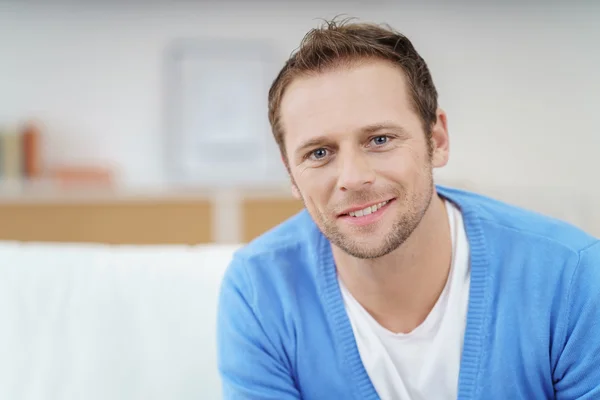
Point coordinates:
[[386, 285]]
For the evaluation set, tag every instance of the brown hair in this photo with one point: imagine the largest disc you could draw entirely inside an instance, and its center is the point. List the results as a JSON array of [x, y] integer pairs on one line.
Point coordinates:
[[336, 44]]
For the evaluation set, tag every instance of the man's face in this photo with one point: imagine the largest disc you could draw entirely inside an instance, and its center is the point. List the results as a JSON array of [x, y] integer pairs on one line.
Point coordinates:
[[358, 156]]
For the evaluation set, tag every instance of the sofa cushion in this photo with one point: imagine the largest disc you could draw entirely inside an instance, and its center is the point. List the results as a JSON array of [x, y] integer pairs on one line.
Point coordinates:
[[109, 322]]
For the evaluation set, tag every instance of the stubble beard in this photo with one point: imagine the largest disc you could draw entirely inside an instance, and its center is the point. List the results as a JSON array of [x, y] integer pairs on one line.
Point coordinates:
[[408, 218]]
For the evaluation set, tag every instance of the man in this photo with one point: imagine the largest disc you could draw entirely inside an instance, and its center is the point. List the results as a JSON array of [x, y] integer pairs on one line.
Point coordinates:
[[386, 285]]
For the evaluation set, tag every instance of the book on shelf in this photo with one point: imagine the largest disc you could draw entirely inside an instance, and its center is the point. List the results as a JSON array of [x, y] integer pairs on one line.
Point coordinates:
[[20, 153]]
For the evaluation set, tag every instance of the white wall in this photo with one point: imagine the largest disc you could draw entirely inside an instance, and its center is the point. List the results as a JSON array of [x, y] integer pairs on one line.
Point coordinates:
[[520, 84]]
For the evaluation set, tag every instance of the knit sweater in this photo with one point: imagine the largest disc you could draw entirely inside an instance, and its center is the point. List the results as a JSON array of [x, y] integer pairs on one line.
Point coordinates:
[[532, 330]]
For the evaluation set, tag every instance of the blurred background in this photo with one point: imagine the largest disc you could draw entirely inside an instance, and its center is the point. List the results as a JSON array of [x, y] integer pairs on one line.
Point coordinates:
[[146, 122]]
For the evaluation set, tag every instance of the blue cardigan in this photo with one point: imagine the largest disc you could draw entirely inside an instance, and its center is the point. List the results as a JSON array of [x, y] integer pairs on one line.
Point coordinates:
[[533, 324]]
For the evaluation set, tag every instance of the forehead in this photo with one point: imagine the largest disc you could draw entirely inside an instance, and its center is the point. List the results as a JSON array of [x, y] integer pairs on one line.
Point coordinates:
[[344, 100]]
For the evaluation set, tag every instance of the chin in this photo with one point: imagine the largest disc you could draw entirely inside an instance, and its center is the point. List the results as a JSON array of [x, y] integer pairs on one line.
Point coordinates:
[[366, 252], [365, 246]]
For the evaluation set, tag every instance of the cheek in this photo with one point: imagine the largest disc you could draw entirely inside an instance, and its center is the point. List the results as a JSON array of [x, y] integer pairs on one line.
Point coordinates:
[[405, 166], [400, 162], [315, 185]]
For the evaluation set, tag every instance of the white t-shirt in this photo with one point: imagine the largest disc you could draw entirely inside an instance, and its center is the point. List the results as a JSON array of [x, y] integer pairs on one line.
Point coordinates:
[[423, 364]]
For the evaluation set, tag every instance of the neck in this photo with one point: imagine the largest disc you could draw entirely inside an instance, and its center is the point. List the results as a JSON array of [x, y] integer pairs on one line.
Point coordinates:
[[400, 289]]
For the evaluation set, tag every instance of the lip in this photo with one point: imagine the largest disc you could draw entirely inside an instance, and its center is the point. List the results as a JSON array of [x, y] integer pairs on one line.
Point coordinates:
[[361, 207], [366, 219]]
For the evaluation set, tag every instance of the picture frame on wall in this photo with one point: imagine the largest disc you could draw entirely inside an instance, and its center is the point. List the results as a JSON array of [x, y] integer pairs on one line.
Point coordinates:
[[217, 131]]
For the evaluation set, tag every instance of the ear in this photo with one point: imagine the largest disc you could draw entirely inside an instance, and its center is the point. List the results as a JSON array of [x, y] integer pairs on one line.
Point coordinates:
[[440, 143]]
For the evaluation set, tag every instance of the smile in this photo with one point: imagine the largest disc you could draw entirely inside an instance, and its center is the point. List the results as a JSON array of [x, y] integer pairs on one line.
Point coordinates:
[[366, 215], [368, 210]]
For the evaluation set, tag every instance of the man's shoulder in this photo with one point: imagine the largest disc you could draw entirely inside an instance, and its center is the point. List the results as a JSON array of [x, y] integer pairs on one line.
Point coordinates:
[[511, 222], [284, 252], [272, 269], [296, 234]]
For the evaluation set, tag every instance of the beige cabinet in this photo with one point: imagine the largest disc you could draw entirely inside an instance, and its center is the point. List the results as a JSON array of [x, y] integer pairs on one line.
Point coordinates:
[[150, 220]]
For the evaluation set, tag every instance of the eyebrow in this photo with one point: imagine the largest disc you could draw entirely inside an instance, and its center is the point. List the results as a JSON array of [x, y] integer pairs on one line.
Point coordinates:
[[314, 142], [384, 126], [368, 129]]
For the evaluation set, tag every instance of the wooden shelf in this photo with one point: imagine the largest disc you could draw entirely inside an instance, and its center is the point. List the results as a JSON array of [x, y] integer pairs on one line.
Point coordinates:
[[157, 216], [130, 222], [261, 214]]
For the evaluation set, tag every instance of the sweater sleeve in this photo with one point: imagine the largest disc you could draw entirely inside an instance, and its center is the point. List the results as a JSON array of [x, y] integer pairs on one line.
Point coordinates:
[[577, 373], [251, 367]]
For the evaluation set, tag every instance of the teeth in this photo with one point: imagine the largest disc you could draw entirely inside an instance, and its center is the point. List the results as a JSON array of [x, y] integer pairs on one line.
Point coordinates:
[[367, 210]]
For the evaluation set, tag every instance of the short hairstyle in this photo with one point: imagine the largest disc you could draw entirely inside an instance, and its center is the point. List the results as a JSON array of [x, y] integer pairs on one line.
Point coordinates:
[[343, 44]]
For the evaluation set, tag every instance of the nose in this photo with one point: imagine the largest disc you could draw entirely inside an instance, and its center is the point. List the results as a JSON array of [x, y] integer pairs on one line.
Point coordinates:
[[355, 172]]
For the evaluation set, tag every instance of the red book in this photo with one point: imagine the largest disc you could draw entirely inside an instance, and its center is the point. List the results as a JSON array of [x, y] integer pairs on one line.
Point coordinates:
[[31, 138]]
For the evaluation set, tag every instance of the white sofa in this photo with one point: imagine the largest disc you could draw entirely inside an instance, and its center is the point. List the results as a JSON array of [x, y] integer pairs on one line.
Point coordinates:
[[96, 322]]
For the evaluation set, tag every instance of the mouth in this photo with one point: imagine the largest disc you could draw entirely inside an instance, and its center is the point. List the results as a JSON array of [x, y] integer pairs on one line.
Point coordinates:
[[366, 211]]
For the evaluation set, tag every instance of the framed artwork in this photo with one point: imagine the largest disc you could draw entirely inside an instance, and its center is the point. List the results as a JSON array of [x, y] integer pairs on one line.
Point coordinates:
[[217, 129]]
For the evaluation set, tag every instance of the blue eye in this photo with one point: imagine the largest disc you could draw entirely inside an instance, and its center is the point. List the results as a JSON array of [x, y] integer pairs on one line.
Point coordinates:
[[318, 154], [379, 140]]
